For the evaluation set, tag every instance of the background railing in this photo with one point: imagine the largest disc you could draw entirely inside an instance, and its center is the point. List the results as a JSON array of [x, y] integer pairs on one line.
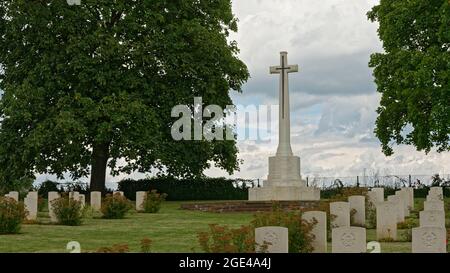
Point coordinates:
[[394, 181]]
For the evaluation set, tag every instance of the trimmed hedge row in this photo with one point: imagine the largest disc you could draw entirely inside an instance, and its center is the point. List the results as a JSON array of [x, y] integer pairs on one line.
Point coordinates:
[[188, 189]]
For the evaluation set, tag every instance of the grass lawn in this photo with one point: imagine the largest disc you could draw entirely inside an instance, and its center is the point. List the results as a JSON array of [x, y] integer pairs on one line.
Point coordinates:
[[171, 230]]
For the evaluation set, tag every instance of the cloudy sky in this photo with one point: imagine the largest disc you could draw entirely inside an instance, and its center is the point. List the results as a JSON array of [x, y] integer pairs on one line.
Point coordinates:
[[333, 97]]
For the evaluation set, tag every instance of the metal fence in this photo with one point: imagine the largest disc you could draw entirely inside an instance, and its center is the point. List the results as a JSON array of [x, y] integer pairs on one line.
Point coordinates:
[[395, 181]]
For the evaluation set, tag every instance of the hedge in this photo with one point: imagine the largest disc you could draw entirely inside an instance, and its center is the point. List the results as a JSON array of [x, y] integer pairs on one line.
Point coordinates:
[[188, 189]]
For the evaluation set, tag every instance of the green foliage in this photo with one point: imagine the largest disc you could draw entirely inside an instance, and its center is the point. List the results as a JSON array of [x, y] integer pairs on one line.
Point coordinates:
[[12, 214], [68, 211], [117, 248], [153, 201], [223, 239], [115, 206], [146, 245], [413, 75], [371, 214], [46, 187], [100, 83], [300, 236], [188, 189]]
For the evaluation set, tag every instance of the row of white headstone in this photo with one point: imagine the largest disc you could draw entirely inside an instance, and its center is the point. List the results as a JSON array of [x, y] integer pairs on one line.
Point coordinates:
[[31, 201], [429, 237]]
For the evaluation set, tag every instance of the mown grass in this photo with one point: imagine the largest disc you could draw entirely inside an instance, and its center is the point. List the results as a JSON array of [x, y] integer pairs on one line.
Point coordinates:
[[171, 230]]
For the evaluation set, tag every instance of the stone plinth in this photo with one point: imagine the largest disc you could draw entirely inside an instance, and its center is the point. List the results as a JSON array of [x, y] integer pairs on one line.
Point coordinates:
[[284, 194]]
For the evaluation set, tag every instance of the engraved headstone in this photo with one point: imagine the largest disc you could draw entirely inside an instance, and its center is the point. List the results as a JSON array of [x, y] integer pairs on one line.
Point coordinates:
[[51, 197], [340, 214], [276, 239], [387, 220], [31, 205], [358, 204], [372, 198], [14, 195], [348, 240], [398, 201], [74, 195], [319, 230], [436, 193], [82, 199], [96, 200], [140, 197], [429, 240], [432, 218], [433, 205], [404, 200], [409, 197], [379, 193]]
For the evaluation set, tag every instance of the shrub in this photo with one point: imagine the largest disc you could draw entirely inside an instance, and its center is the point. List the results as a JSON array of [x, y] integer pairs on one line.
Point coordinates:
[[114, 249], [12, 214], [146, 245], [407, 235], [152, 202], [68, 211], [222, 239], [371, 215], [299, 230], [409, 223], [115, 206]]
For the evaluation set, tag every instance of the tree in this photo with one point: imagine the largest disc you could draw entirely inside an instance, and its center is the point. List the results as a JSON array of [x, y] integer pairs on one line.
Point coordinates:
[[413, 74], [91, 86]]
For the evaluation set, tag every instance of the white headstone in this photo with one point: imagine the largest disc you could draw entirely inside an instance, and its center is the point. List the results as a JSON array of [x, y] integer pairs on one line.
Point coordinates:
[[74, 195], [14, 195], [387, 220], [398, 201], [319, 230], [82, 199], [379, 193], [432, 218], [358, 203], [348, 240], [96, 200], [118, 192], [33, 194], [340, 214], [433, 205], [372, 198], [404, 200], [51, 197], [31, 205], [140, 198], [409, 197], [429, 240], [436, 192], [276, 238]]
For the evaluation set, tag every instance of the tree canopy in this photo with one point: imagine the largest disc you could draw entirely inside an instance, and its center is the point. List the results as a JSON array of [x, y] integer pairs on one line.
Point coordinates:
[[91, 86], [413, 74]]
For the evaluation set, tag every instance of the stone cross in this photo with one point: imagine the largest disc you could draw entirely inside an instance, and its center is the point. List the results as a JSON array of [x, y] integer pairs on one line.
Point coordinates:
[[284, 145]]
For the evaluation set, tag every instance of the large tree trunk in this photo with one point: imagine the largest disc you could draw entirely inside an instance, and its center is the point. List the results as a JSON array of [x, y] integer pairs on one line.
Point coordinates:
[[100, 155]]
